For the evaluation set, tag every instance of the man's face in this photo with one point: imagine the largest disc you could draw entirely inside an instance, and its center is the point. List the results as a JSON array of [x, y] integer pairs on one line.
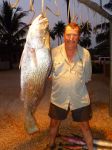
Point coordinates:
[[71, 38]]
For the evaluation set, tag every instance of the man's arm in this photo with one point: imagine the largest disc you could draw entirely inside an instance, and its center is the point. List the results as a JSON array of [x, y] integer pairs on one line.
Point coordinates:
[[89, 89], [88, 73]]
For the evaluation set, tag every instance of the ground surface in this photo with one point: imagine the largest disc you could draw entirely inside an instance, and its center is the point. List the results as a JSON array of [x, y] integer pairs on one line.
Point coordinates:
[[12, 133]]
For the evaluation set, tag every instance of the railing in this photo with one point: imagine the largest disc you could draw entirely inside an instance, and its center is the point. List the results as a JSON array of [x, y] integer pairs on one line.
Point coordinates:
[[104, 61]]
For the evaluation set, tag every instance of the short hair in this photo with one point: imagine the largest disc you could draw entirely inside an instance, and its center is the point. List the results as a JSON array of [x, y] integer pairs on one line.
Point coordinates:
[[73, 25]]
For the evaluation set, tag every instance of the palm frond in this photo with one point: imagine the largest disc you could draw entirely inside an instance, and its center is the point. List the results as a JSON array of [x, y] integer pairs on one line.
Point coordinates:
[[52, 34], [21, 32], [12, 29], [85, 42]]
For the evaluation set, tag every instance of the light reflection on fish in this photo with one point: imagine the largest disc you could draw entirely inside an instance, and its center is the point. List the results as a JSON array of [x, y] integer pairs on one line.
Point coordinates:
[[72, 139], [35, 66]]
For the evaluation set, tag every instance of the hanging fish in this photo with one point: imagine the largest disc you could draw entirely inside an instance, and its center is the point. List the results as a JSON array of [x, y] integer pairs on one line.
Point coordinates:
[[35, 65]]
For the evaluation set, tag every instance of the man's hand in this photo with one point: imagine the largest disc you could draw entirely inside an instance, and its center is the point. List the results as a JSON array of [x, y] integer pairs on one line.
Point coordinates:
[[89, 90]]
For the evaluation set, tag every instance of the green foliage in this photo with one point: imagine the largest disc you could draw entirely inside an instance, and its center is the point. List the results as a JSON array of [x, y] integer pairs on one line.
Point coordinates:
[[102, 32], [58, 31], [85, 38], [12, 31], [52, 34]]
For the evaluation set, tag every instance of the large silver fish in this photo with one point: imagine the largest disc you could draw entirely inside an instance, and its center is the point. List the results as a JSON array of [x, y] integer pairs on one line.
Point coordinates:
[[35, 66]]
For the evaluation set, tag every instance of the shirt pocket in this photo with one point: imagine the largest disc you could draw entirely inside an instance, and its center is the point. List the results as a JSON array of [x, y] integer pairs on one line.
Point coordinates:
[[58, 69], [78, 70]]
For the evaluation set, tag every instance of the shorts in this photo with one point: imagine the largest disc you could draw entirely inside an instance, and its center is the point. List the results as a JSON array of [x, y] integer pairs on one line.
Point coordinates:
[[79, 115]]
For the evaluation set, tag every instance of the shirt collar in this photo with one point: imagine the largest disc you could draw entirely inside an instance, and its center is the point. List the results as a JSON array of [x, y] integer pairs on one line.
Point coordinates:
[[63, 52]]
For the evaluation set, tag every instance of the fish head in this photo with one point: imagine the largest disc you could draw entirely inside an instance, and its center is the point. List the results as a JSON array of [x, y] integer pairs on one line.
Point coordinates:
[[39, 30]]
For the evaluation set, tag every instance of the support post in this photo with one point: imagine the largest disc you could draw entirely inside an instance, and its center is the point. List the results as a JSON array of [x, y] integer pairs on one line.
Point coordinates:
[[110, 98]]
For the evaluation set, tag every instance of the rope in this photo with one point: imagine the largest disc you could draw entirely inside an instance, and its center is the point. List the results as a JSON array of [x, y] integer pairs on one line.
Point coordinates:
[[32, 10], [88, 25], [56, 14], [55, 1], [15, 4], [68, 13], [42, 6], [80, 14], [73, 13], [31, 5]]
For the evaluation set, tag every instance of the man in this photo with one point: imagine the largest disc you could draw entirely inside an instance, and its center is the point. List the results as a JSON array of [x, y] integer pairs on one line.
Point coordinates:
[[71, 73]]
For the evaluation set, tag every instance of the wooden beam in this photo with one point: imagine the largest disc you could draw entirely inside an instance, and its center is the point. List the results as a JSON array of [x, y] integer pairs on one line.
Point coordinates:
[[110, 99], [97, 8]]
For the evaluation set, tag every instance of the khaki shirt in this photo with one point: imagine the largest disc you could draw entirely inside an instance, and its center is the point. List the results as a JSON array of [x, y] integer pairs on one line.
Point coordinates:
[[69, 79]]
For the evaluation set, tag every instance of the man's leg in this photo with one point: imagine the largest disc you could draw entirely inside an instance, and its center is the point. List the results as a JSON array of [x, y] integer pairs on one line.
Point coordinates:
[[54, 126], [87, 134], [56, 114], [83, 115]]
